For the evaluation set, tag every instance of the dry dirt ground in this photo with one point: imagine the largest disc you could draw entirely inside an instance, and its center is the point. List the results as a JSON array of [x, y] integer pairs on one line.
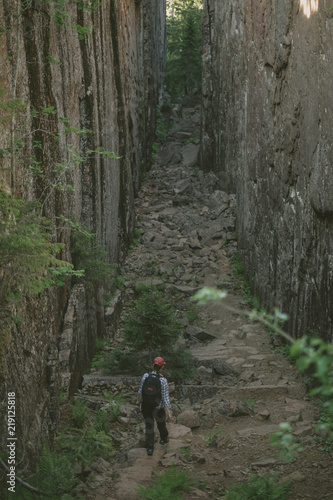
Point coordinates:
[[243, 390]]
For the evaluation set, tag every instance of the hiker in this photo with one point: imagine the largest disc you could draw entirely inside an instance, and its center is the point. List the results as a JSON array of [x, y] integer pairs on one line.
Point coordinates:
[[153, 397]]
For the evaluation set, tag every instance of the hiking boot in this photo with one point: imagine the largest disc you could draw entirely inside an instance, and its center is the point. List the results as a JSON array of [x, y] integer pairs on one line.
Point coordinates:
[[150, 451], [164, 441]]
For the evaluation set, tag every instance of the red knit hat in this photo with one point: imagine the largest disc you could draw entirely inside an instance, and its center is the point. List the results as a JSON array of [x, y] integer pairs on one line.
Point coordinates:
[[159, 362]]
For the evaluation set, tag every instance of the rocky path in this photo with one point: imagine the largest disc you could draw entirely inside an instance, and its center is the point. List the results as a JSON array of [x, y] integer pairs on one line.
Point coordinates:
[[242, 390]]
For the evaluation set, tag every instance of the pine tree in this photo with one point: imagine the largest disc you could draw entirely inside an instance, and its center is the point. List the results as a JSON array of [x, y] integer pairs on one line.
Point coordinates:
[[152, 323], [184, 43]]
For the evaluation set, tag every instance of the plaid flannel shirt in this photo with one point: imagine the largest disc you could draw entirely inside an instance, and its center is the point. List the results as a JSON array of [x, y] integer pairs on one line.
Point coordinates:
[[165, 399]]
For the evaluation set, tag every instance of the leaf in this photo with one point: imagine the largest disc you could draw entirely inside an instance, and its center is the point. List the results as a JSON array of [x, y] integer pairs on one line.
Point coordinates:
[[303, 363], [297, 348]]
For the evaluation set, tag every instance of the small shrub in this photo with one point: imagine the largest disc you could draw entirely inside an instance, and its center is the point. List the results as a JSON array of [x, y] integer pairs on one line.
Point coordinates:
[[102, 422], [166, 107], [212, 436], [160, 131], [114, 408], [100, 344], [192, 313], [137, 233], [186, 451], [143, 287], [260, 488], [285, 351], [27, 254], [152, 323], [92, 257], [283, 440], [325, 425], [85, 445], [119, 281], [54, 473], [251, 404], [79, 413], [238, 267], [179, 365], [122, 361], [63, 396], [169, 485]]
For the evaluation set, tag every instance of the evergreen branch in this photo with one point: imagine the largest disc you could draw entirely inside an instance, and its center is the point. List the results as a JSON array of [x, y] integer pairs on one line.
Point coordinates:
[[23, 483]]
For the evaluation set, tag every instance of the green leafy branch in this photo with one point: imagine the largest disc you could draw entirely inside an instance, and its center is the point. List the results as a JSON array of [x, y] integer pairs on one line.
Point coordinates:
[[283, 440], [89, 5], [81, 31]]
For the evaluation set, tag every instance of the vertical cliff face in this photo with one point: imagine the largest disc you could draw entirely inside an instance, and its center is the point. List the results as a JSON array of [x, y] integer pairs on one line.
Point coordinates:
[[101, 69], [267, 133]]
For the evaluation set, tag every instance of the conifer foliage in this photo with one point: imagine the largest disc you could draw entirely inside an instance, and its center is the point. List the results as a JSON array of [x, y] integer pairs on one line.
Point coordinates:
[[184, 43], [27, 253], [152, 323]]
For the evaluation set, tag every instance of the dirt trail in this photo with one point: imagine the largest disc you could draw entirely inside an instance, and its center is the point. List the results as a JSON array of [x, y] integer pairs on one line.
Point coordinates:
[[242, 390]]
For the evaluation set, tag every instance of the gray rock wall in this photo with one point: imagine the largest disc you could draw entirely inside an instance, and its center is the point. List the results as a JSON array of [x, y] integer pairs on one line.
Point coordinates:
[[108, 81], [267, 133]]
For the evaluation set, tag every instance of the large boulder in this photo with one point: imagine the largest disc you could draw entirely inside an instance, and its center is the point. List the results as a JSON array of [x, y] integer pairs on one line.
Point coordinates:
[[189, 418]]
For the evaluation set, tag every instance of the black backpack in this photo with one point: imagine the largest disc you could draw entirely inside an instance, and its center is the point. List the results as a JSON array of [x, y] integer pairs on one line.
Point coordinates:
[[151, 391]]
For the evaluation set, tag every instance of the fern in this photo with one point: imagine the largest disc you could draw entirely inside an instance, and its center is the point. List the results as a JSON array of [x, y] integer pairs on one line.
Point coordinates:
[[260, 488], [85, 445], [169, 485], [79, 413], [102, 422], [54, 473]]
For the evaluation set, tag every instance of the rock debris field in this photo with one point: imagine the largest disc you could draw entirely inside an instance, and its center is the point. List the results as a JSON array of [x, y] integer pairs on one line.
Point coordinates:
[[226, 415]]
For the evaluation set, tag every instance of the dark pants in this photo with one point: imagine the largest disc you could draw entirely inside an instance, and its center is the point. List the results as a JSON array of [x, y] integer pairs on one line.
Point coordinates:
[[150, 415]]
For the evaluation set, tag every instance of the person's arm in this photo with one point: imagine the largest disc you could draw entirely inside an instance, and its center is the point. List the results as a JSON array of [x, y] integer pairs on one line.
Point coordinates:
[[166, 398], [138, 403]]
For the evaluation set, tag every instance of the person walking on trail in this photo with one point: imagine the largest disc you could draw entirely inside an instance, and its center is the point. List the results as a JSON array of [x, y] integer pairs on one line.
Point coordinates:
[[153, 397]]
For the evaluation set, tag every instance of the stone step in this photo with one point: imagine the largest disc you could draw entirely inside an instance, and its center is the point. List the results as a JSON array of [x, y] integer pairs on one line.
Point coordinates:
[[99, 380], [198, 393], [260, 430], [256, 393]]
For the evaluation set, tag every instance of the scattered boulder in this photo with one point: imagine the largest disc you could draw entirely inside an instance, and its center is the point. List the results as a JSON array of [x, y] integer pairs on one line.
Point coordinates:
[[196, 494], [264, 414], [296, 476], [305, 430], [264, 462], [199, 334], [222, 368], [182, 186], [234, 409], [218, 200], [203, 373], [178, 431], [189, 418], [190, 155]]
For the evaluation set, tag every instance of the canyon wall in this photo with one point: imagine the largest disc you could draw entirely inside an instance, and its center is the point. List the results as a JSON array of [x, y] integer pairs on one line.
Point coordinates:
[[267, 133], [102, 69]]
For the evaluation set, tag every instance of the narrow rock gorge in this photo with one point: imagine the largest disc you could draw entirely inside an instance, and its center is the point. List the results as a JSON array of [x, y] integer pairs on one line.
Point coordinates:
[[80, 86], [266, 133]]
